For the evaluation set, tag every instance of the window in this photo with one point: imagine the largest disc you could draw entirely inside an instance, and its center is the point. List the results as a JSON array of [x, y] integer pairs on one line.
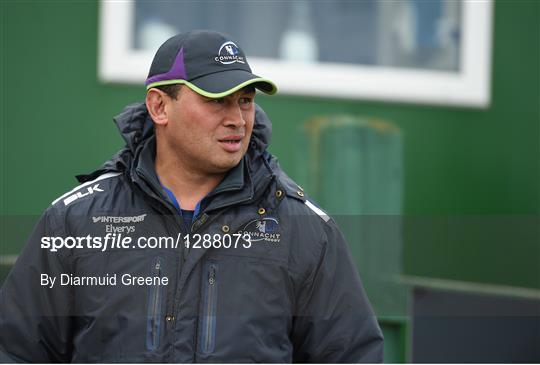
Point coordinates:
[[435, 52]]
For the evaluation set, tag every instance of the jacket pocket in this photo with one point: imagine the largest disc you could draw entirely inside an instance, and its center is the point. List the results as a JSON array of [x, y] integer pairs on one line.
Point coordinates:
[[153, 321], [208, 323]]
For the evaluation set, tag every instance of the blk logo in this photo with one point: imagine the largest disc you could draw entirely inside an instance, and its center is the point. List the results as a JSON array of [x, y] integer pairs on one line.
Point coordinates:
[[89, 190]]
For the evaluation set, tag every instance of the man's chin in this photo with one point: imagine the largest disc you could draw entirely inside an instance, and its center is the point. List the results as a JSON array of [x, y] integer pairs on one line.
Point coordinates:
[[226, 165]]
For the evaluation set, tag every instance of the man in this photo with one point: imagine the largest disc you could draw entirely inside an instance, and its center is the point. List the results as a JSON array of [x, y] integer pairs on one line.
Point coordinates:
[[191, 244]]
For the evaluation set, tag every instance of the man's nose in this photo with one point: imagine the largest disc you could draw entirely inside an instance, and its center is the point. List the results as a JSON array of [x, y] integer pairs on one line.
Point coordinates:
[[234, 116]]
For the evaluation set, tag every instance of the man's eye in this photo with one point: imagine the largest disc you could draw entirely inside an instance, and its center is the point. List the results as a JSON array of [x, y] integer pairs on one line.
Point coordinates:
[[216, 101], [246, 100]]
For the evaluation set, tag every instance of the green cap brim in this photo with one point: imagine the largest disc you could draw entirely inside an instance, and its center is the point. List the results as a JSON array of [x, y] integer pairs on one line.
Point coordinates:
[[220, 84]]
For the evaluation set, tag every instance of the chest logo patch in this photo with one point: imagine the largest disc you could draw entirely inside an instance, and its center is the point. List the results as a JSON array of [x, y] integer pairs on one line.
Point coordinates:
[[265, 229]]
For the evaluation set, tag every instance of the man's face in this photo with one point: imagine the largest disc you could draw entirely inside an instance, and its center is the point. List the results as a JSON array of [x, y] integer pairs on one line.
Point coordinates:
[[209, 136]]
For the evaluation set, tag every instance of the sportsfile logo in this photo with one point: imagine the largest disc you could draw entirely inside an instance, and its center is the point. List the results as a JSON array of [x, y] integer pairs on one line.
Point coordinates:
[[118, 219], [89, 190], [229, 53]]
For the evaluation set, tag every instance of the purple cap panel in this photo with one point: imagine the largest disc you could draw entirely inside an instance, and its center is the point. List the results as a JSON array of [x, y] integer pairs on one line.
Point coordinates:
[[177, 71]]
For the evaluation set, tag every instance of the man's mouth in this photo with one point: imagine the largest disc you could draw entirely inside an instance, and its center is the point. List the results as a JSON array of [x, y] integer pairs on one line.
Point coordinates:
[[231, 143]]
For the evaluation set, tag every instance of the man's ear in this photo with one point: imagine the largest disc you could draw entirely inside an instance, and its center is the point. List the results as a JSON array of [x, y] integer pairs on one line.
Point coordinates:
[[155, 103]]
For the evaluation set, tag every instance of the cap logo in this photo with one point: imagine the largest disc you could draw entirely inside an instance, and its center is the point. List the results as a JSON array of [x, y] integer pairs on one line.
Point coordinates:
[[228, 53]]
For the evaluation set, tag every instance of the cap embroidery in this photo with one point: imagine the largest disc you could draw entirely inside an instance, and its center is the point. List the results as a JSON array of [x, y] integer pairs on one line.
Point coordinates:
[[228, 53]]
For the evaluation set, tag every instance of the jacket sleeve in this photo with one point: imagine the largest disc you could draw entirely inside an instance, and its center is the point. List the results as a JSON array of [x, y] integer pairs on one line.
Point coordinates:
[[34, 318], [334, 322]]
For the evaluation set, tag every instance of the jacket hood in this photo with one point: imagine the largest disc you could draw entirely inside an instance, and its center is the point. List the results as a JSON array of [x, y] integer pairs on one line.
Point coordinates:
[[136, 126]]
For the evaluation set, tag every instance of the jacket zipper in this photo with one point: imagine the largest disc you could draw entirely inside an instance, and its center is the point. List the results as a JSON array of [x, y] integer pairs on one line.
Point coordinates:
[[154, 309], [209, 316]]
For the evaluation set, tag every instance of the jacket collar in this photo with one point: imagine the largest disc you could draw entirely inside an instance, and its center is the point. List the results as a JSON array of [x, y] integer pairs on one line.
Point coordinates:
[[236, 186]]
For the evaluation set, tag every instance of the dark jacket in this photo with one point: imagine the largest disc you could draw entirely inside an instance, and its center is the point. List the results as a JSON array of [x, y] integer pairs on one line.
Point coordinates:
[[292, 294]]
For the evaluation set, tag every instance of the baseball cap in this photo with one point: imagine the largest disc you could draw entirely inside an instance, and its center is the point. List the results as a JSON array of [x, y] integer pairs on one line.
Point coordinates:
[[208, 62]]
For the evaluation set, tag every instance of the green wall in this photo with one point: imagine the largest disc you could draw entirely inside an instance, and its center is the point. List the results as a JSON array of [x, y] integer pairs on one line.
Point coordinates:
[[472, 185]]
